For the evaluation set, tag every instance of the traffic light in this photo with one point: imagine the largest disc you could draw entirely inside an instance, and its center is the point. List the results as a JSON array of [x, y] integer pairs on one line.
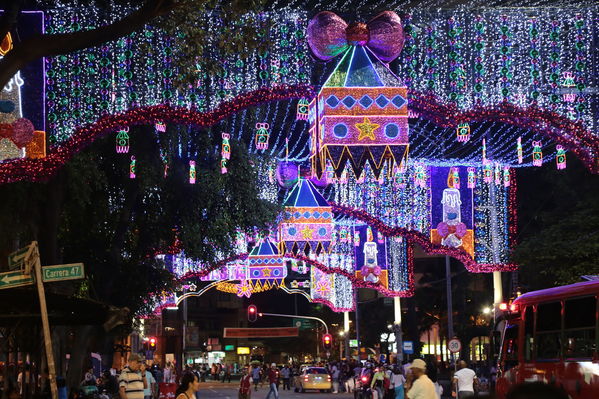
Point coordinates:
[[252, 313], [327, 341], [152, 344]]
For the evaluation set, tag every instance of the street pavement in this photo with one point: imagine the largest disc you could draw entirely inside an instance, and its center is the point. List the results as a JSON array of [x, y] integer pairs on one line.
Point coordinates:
[[217, 390]]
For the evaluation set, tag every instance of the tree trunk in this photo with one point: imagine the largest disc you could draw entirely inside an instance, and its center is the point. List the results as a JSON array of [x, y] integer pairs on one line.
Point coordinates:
[[80, 353], [39, 46]]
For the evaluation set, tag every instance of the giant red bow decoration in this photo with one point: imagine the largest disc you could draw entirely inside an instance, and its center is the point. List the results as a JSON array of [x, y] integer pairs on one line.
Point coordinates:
[[329, 35]]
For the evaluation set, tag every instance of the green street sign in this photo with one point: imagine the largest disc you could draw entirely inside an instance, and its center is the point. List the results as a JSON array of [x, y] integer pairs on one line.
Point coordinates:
[[16, 259], [353, 343], [14, 279], [303, 324], [71, 271]]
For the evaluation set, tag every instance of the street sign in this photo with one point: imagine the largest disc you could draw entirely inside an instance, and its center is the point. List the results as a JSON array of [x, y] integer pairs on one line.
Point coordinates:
[[408, 347], [71, 271], [353, 343], [454, 345], [17, 258], [303, 324], [15, 279]]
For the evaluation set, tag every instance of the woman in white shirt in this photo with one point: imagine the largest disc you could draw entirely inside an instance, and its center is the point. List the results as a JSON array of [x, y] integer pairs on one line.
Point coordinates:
[[397, 382]]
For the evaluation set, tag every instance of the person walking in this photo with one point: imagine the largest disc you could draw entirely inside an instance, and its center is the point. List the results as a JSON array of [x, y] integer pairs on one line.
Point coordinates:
[[132, 380], [465, 381], [397, 382], [285, 374], [245, 384], [256, 376], [273, 377], [420, 386], [190, 384], [150, 389], [335, 373]]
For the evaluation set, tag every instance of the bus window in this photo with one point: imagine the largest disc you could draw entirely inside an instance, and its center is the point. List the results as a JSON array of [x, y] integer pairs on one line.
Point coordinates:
[[528, 333], [579, 328], [548, 333], [510, 344]]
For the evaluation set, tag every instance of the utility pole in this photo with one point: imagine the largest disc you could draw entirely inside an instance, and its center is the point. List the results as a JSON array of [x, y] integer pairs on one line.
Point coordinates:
[[357, 318], [45, 322], [346, 333], [397, 329], [449, 301]]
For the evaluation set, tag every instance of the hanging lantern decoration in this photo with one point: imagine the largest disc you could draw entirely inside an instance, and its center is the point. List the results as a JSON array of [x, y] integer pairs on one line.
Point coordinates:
[[226, 147], [262, 136], [497, 174], [287, 174], [537, 153], [455, 176], [302, 109], [487, 172], [506, 176], [463, 132], [122, 141], [330, 173], [160, 126], [560, 157], [420, 176], [471, 178], [484, 150], [164, 163], [400, 179], [192, 172], [519, 147], [223, 166], [132, 167]]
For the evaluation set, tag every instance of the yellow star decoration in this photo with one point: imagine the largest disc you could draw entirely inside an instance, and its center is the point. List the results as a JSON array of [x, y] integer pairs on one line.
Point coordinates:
[[367, 129], [266, 272], [307, 232]]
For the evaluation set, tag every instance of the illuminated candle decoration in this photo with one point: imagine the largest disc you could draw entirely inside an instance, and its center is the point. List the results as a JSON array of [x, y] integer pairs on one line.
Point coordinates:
[[560, 157], [420, 176], [160, 126], [537, 153], [506, 176], [132, 167], [463, 132], [302, 109], [471, 178], [487, 172], [226, 147], [122, 141], [262, 136], [192, 172], [519, 149], [455, 175]]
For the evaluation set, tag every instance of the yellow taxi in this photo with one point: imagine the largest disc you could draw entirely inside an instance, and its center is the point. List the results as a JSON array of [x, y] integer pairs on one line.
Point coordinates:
[[313, 378]]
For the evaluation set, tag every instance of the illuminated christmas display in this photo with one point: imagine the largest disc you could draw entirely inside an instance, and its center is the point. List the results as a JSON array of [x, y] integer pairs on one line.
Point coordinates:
[[373, 136]]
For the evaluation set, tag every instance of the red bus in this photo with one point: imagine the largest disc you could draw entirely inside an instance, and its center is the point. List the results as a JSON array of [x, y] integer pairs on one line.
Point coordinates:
[[552, 336]]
